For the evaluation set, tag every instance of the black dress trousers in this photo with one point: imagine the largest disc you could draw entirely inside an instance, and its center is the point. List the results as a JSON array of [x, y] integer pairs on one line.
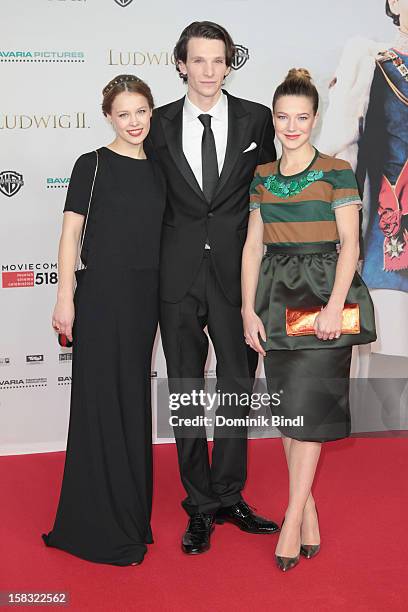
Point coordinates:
[[185, 346]]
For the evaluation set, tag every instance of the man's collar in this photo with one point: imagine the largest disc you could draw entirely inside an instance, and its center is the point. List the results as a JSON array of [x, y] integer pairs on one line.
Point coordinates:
[[218, 111]]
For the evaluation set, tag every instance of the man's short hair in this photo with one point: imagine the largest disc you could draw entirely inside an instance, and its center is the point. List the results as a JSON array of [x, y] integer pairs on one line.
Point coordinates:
[[202, 29]]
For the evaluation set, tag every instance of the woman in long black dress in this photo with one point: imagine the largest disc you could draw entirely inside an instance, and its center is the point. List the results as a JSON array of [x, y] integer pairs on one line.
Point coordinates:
[[105, 504]]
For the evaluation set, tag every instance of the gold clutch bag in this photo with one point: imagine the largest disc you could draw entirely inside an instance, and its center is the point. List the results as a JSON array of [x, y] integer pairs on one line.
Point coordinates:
[[300, 321]]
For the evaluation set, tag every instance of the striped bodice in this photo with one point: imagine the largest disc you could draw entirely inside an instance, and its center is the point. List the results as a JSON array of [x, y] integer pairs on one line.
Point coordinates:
[[299, 209]]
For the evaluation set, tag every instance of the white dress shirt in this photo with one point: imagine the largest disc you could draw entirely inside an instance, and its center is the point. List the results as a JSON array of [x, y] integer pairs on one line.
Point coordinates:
[[193, 133]]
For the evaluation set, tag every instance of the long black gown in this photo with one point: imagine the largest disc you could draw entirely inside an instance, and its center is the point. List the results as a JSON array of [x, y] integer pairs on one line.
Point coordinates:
[[106, 497]]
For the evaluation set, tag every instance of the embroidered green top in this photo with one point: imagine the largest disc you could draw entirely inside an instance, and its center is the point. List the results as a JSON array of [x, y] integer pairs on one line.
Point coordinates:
[[299, 209]]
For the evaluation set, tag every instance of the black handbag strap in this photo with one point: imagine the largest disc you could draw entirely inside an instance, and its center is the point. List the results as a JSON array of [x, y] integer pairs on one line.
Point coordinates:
[[80, 266]]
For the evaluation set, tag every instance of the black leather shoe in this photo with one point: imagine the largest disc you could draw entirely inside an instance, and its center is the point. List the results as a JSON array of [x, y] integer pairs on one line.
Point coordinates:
[[196, 538], [241, 515]]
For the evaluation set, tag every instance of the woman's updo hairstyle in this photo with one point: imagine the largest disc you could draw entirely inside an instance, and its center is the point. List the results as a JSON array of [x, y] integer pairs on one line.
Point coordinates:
[[298, 82], [125, 82]]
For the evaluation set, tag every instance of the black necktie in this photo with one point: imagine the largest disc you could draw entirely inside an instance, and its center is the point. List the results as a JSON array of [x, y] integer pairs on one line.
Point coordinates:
[[208, 158]]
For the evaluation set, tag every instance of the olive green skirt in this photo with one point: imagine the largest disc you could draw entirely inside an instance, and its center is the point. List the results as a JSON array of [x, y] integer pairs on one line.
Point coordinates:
[[302, 276], [312, 376], [314, 392]]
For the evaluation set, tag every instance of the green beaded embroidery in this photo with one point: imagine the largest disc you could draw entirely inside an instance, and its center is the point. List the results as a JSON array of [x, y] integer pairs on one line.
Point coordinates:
[[291, 187]]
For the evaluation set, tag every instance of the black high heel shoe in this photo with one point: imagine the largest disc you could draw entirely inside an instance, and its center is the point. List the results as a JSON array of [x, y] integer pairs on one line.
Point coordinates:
[[310, 550], [286, 563]]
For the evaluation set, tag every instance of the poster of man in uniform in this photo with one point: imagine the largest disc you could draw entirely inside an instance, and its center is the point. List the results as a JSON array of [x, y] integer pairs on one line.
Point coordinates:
[[366, 122]]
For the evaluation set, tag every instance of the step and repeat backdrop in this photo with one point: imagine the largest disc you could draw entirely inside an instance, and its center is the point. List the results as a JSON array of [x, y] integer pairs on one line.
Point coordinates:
[[55, 58]]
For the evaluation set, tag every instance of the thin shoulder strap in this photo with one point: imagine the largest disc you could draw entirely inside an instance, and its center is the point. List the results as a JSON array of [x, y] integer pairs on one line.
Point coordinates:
[[89, 208]]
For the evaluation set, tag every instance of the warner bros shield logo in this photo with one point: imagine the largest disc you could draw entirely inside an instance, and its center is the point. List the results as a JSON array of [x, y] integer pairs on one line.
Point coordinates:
[[240, 58], [123, 2], [10, 182]]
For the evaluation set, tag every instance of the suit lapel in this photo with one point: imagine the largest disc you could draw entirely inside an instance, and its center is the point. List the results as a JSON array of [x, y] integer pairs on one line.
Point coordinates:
[[238, 122], [172, 123]]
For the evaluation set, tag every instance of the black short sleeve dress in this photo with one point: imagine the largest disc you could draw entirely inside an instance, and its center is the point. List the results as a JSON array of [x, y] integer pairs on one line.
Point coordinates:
[[298, 271], [105, 504]]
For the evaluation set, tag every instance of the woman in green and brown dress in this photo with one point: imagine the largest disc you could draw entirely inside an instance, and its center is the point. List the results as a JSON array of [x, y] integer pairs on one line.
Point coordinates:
[[303, 206]]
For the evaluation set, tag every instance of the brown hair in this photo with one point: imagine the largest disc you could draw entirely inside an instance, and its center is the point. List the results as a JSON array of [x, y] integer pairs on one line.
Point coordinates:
[[124, 82], [389, 12], [202, 29], [298, 82]]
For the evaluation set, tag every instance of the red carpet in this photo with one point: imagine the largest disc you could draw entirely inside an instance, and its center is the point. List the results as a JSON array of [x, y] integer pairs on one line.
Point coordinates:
[[362, 495]]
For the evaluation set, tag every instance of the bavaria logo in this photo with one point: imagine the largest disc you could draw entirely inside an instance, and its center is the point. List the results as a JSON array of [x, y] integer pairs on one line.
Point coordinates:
[[123, 2], [57, 182], [10, 55], [240, 58], [10, 182], [11, 384]]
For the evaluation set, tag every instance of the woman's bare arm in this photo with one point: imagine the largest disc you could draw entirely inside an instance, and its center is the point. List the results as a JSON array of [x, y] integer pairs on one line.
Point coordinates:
[[251, 260], [328, 323], [63, 316]]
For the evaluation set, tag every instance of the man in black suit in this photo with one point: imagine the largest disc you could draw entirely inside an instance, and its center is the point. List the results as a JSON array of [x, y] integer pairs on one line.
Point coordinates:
[[208, 144]]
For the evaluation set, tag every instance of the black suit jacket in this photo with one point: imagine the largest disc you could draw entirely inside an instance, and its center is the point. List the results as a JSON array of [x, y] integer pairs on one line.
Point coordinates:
[[188, 218]]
